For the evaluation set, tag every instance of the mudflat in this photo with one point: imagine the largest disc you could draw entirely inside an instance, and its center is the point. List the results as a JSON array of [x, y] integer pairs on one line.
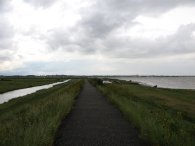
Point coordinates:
[[95, 122]]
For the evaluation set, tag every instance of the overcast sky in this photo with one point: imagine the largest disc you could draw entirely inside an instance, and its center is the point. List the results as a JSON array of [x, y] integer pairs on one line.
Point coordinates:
[[87, 37]]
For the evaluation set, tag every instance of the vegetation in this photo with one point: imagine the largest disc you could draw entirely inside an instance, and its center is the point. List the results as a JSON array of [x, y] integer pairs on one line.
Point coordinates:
[[32, 120], [163, 116], [11, 83]]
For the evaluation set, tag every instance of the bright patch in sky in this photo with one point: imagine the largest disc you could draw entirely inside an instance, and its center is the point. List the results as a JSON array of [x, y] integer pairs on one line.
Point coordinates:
[[24, 16], [163, 25]]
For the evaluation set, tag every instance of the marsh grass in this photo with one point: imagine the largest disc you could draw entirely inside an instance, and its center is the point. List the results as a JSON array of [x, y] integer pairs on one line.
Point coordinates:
[[163, 116], [32, 120]]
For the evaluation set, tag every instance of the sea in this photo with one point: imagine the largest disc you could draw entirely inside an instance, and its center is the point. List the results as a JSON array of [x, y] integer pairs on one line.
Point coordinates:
[[173, 82]]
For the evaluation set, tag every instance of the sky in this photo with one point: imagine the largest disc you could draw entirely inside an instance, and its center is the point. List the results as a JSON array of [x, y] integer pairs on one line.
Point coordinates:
[[97, 37]]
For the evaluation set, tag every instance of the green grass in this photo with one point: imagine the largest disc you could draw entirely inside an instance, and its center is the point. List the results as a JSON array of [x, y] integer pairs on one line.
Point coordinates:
[[162, 116], [9, 84], [32, 120]]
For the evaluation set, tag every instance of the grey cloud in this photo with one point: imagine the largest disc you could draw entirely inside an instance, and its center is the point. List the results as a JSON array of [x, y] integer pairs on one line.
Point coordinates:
[[182, 42], [70, 40], [58, 39], [100, 22], [146, 6], [104, 17], [6, 44], [97, 27], [96, 31], [6, 30], [6, 34], [6, 55], [4, 6], [41, 3], [4, 58]]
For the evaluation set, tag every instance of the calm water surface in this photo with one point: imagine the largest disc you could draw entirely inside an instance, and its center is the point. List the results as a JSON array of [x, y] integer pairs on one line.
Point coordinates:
[[164, 82], [22, 92]]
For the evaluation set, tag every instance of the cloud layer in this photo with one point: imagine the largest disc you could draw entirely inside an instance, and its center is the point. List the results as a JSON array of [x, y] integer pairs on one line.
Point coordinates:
[[49, 32]]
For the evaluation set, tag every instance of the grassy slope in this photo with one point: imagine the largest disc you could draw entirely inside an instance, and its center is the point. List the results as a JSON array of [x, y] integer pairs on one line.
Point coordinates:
[[8, 84], [33, 119], [163, 116]]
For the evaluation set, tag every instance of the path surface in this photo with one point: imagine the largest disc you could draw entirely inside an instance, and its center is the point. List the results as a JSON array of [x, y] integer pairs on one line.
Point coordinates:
[[95, 122]]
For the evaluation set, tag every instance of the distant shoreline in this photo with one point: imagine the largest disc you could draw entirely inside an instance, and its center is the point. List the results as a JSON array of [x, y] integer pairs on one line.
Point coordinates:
[[145, 76]]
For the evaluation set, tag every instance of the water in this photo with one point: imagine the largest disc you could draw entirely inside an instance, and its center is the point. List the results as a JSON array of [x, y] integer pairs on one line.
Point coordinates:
[[22, 92], [164, 82]]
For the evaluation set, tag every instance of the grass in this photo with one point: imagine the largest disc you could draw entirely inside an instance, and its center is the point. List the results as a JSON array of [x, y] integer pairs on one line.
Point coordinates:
[[9, 84], [162, 116], [32, 120]]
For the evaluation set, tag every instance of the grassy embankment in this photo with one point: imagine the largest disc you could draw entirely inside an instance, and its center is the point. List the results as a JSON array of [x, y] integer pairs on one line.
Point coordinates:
[[163, 116], [32, 120], [9, 84]]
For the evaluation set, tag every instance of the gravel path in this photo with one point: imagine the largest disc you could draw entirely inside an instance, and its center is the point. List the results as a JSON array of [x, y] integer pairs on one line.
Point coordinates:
[[95, 122]]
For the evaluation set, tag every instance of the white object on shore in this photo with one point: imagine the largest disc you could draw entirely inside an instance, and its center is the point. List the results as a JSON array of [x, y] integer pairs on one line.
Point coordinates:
[[107, 82]]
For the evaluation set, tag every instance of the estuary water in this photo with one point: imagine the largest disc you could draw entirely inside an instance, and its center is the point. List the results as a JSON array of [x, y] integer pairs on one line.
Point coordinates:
[[4, 97], [177, 82]]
